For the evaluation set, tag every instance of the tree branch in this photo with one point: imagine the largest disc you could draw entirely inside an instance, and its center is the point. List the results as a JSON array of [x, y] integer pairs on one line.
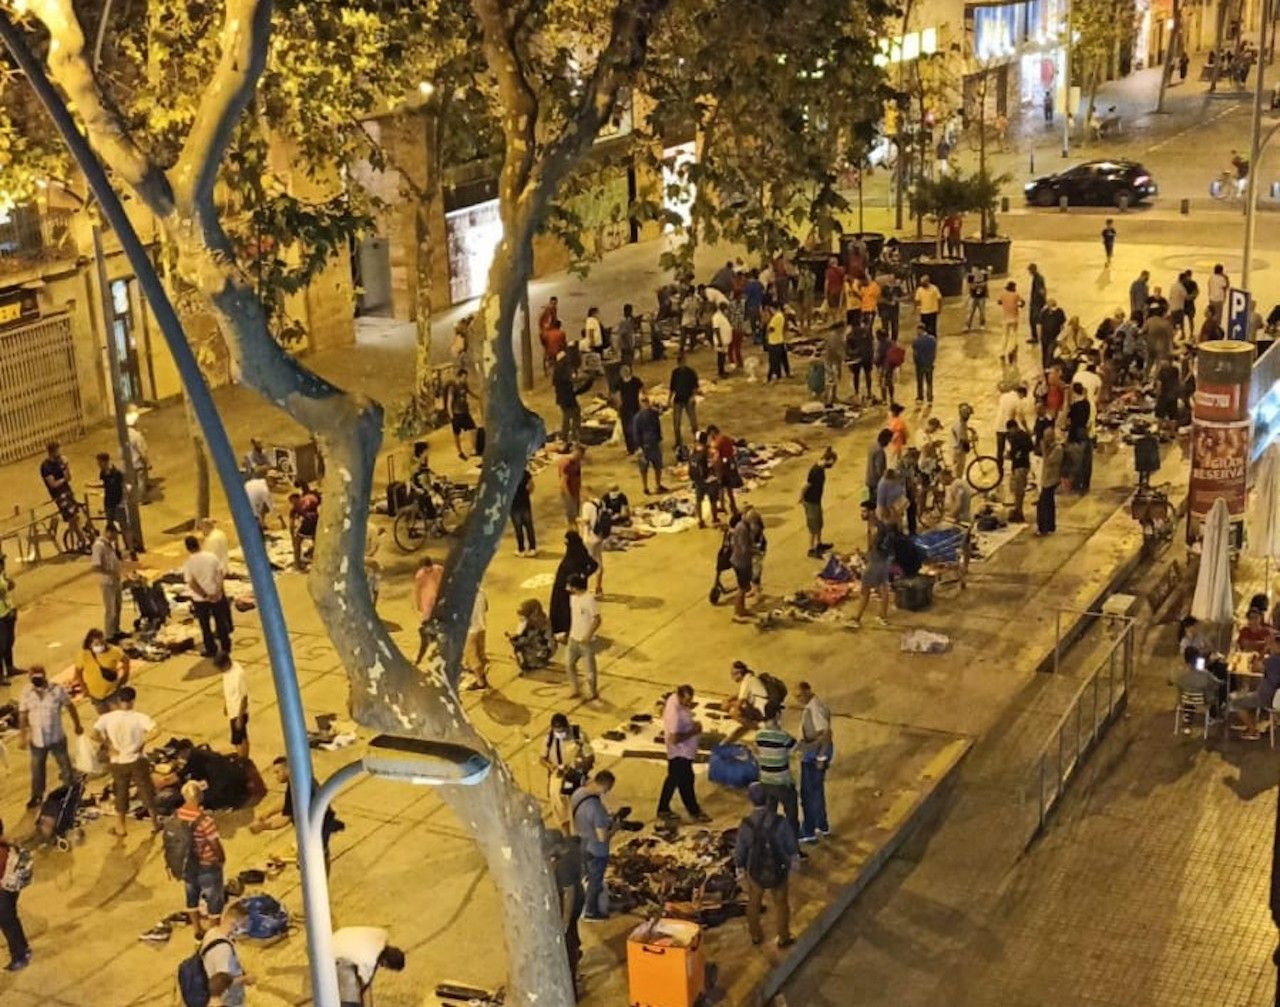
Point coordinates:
[[246, 31], [500, 27], [70, 69]]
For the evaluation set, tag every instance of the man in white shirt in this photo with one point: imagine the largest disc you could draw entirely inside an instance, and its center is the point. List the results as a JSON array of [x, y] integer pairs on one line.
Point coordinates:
[[588, 525], [125, 731], [1088, 377], [358, 952], [584, 620], [1012, 405], [215, 541], [258, 490], [235, 700], [752, 697], [203, 576], [593, 332], [1218, 285], [104, 560], [815, 758], [721, 335]]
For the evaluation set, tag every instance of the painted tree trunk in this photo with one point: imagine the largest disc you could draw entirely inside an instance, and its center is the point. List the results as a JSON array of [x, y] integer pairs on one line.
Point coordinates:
[[1171, 54]]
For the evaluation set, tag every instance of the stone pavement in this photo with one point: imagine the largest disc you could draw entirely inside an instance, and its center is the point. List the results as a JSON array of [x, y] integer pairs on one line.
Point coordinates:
[[1150, 886], [658, 631]]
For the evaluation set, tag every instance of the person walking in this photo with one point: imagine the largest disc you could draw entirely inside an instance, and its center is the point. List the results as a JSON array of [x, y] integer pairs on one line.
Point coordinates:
[[570, 471], [682, 388], [1109, 240], [775, 344], [522, 516], [741, 554], [1020, 447], [426, 590], [1050, 476], [457, 402], [811, 499], [816, 751], [773, 753], [624, 336], [584, 622], [703, 478], [1011, 305], [833, 354], [104, 560], [126, 731], [40, 728], [721, 338], [101, 670], [202, 873], [203, 577], [576, 560], [1036, 298], [8, 625], [681, 734], [764, 854], [595, 826], [567, 758], [567, 389], [10, 924], [358, 953], [977, 283], [924, 353], [928, 303], [1219, 284], [1138, 293]]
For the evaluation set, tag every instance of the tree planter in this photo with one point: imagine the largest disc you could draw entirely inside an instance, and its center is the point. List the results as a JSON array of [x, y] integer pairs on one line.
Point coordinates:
[[910, 249], [993, 253], [873, 240], [945, 274]]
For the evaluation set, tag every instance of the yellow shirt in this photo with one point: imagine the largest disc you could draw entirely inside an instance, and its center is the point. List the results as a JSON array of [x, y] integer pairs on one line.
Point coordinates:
[[775, 334], [91, 665], [928, 299], [870, 297]]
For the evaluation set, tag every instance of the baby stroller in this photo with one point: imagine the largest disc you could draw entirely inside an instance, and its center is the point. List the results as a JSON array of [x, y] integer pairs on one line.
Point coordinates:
[[60, 815], [723, 563], [151, 603]]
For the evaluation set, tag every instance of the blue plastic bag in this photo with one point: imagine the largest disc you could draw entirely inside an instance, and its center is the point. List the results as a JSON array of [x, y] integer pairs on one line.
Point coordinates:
[[733, 766]]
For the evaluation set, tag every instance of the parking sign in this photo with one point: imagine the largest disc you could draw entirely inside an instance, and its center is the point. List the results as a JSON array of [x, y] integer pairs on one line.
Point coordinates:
[[1238, 304]]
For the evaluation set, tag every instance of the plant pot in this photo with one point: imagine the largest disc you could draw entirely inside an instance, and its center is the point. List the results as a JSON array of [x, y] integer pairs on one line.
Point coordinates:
[[910, 249], [993, 253], [945, 274]]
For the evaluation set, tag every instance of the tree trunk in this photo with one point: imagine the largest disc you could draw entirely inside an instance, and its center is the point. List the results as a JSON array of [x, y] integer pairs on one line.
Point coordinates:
[[1172, 53], [425, 206], [200, 458]]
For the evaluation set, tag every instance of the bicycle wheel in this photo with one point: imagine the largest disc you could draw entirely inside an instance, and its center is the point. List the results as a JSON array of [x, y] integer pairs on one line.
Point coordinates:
[[984, 473], [408, 530]]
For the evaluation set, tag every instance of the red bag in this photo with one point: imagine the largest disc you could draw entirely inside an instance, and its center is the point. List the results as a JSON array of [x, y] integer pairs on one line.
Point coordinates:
[[894, 356]]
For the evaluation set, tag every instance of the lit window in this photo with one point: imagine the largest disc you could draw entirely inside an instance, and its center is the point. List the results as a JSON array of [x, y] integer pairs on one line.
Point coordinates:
[[911, 45], [929, 41]]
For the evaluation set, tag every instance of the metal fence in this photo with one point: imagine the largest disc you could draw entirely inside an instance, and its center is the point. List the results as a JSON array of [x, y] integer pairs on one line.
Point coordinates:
[[39, 387], [1091, 710]]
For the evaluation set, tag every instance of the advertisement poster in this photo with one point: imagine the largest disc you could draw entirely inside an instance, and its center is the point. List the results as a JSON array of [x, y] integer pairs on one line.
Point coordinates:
[[1219, 466]]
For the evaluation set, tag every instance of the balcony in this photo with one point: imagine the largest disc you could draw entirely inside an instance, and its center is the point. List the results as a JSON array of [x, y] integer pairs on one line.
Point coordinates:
[[29, 237]]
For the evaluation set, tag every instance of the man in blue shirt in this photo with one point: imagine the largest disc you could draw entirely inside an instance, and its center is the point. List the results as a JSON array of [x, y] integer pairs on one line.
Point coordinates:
[[753, 301], [924, 351], [595, 826]]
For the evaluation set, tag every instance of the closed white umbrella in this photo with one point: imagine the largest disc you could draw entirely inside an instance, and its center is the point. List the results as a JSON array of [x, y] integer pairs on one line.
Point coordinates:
[[1212, 601], [1262, 523]]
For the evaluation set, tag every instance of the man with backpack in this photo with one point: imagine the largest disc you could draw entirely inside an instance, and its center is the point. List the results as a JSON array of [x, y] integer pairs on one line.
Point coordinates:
[[212, 974], [595, 523], [764, 855], [567, 758], [15, 875], [595, 826], [193, 852]]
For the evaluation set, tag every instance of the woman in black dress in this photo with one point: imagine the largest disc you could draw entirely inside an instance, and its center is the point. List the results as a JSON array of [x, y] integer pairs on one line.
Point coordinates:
[[576, 560]]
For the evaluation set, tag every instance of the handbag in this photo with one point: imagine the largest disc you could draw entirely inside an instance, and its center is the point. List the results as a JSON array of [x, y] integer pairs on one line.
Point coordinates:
[[108, 674]]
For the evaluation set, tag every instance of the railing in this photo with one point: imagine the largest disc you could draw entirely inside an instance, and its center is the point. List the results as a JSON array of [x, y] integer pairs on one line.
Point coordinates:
[[29, 235], [1090, 713]]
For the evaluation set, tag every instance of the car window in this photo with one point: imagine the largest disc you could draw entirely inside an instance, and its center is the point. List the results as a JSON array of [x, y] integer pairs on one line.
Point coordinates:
[[1079, 171]]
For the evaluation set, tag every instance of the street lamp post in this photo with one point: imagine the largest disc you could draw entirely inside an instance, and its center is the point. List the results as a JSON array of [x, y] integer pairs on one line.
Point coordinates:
[[1256, 145], [1066, 87]]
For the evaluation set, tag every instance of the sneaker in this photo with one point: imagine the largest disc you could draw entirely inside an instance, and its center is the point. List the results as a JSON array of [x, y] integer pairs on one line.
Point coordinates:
[[823, 832], [808, 839], [881, 621], [18, 964], [158, 934]]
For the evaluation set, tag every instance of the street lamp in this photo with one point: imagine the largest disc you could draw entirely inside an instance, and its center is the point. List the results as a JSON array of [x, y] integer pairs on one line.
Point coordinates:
[[405, 760], [1256, 145]]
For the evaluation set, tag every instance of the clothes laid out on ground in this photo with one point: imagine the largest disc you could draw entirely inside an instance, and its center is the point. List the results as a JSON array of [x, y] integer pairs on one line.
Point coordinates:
[[838, 415], [688, 875], [641, 735]]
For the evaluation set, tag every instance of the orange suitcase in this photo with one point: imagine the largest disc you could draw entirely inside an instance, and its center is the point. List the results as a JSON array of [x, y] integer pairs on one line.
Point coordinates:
[[665, 964]]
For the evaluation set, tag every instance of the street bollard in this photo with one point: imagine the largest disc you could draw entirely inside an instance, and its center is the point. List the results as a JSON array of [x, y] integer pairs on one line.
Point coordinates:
[[1062, 204], [1275, 190], [1184, 206], [1004, 204], [1122, 202]]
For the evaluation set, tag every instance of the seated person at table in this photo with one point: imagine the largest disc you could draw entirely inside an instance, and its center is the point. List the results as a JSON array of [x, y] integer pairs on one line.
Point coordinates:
[[1254, 634], [618, 505], [1247, 704], [533, 641]]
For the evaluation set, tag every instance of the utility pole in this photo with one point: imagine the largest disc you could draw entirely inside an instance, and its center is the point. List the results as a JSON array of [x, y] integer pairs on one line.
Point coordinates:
[[1255, 154], [1066, 87]]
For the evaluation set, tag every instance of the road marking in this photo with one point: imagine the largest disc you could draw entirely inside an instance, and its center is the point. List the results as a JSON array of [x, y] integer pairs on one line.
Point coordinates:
[[1177, 136]]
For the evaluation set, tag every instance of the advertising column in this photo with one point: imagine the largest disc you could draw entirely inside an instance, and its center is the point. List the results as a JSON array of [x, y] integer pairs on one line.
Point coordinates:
[[1220, 433]]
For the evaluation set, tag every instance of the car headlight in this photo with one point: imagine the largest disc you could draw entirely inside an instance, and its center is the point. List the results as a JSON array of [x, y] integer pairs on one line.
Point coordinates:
[[1029, 186]]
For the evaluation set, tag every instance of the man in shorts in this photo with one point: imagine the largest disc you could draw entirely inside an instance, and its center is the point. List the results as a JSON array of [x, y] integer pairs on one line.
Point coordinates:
[[647, 431], [589, 527], [55, 472], [811, 499], [456, 394], [235, 699]]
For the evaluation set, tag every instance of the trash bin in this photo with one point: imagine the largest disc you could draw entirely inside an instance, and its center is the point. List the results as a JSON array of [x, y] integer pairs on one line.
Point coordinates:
[[665, 964]]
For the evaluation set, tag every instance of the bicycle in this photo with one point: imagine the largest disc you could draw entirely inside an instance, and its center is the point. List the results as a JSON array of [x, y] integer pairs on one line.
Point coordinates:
[[1227, 187], [984, 472], [80, 531], [413, 525]]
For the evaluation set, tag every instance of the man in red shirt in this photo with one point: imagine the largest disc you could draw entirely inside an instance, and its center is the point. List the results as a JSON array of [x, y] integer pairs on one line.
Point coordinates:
[[203, 873], [304, 516], [834, 283], [725, 457], [570, 467]]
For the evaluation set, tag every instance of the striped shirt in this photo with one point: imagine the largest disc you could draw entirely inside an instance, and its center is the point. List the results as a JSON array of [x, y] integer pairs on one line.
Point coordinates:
[[773, 753], [204, 834]]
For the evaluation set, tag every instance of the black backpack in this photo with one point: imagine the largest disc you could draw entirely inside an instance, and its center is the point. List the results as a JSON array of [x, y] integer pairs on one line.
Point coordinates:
[[193, 977], [604, 520], [765, 863], [775, 688]]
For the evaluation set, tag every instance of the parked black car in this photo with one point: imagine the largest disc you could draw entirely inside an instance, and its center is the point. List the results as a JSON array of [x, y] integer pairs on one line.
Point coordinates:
[[1094, 183]]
